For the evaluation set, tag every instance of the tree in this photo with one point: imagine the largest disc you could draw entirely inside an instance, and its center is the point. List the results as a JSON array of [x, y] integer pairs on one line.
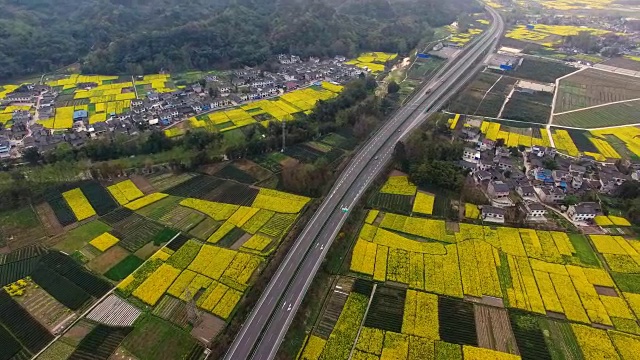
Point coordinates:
[[400, 156], [550, 164], [32, 155], [393, 87], [571, 200]]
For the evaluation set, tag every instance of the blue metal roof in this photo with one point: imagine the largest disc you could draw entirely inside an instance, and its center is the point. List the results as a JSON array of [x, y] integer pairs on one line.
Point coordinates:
[[80, 114]]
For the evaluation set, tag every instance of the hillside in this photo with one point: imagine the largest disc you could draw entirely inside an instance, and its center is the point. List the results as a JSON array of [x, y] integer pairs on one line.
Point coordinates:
[[135, 36]]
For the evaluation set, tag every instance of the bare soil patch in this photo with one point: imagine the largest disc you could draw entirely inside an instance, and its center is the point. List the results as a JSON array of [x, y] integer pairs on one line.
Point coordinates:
[[108, 259], [49, 220], [605, 290], [143, 184], [494, 329], [236, 245], [146, 251], [209, 327], [78, 332], [253, 169]]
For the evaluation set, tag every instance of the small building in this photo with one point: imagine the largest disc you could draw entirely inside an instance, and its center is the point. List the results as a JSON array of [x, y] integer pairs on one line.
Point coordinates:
[[498, 189], [467, 165], [493, 214], [535, 211], [577, 170], [505, 163], [583, 211], [481, 176], [80, 115], [610, 179], [560, 176], [485, 163], [5, 148], [550, 194], [470, 154], [526, 191], [544, 175], [576, 182]]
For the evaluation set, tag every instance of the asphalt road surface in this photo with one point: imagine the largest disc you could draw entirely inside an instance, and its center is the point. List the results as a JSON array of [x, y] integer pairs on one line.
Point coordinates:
[[263, 331]]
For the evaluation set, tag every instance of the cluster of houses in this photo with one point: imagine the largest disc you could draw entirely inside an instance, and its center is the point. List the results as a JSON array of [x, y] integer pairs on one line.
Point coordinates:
[[538, 180], [157, 110]]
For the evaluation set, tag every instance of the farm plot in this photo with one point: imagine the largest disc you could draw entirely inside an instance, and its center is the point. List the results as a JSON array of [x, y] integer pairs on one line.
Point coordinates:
[[592, 87], [80, 236], [533, 108], [177, 242], [22, 325], [205, 229], [114, 311], [100, 343], [231, 172], [135, 231], [583, 141], [174, 310], [60, 208], [43, 307], [340, 342], [392, 202], [333, 307], [484, 96], [98, 197], [303, 153], [123, 268], [529, 336], [195, 187], [102, 263], [387, 309], [494, 329], [457, 322], [608, 115], [163, 181], [541, 70], [48, 219], [70, 269], [19, 264], [61, 288], [338, 141], [232, 193], [154, 338], [560, 339], [56, 351], [10, 346], [20, 228]]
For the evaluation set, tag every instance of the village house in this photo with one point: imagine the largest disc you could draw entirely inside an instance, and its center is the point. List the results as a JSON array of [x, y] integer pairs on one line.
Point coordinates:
[[535, 211], [482, 176], [5, 148], [526, 192], [471, 155], [498, 189], [550, 194], [583, 211], [493, 214], [610, 179]]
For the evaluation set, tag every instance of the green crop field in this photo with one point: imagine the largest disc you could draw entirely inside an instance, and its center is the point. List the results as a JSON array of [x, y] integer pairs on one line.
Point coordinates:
[[609, 115], [595, 87]]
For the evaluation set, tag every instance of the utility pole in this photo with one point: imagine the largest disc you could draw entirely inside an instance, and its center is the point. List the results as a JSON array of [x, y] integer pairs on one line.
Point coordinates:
[[284, 134]]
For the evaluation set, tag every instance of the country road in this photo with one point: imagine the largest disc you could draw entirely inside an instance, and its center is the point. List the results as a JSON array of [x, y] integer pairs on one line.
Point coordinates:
[[266, 326]]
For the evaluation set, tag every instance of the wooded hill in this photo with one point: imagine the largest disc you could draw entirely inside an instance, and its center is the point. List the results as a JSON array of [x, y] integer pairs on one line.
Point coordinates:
[[136, 36]]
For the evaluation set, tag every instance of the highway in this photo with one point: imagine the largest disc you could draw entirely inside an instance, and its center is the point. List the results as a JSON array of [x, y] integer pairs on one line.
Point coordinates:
[[265, 328]]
